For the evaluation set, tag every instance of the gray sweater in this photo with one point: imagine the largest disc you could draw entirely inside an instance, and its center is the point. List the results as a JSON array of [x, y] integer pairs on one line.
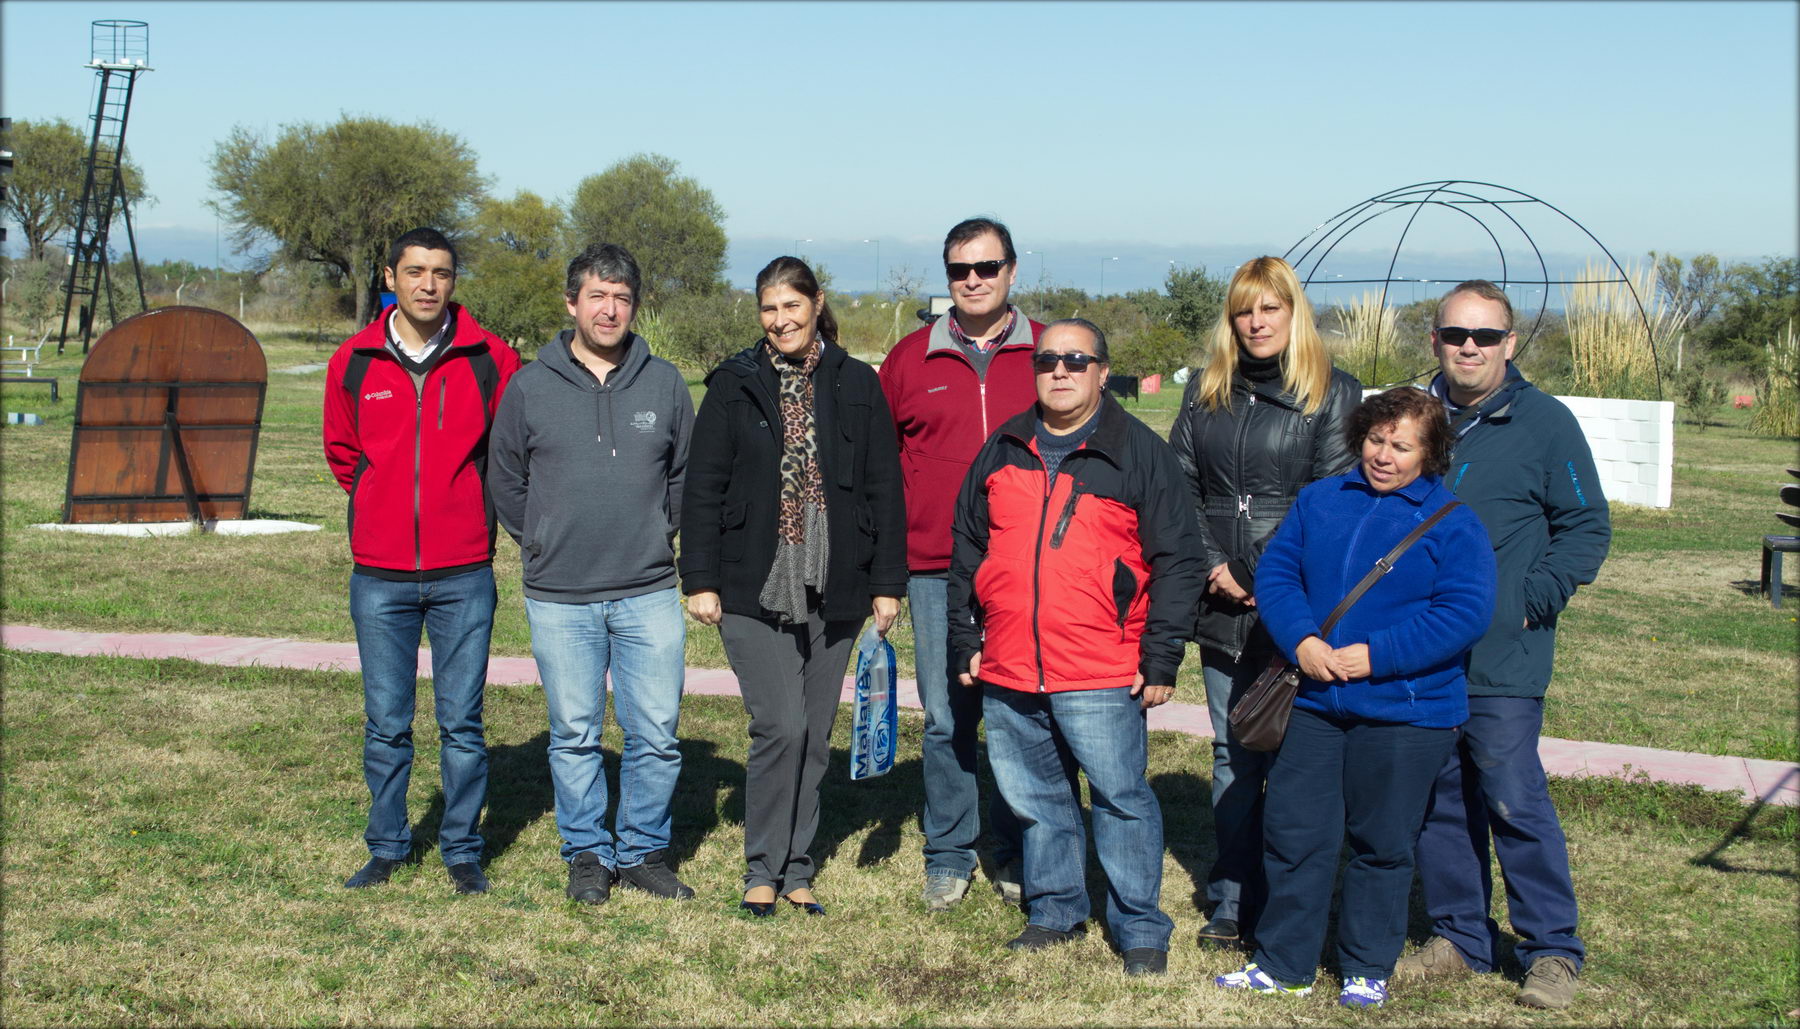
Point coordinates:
[[587, 478]]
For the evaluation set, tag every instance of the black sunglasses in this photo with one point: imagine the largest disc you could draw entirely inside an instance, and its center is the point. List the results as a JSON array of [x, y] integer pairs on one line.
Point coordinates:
[[1045, 361], [959, 270], [1454, 335]]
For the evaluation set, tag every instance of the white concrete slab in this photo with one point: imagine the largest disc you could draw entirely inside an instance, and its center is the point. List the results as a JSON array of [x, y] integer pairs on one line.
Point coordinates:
[[228, 527]]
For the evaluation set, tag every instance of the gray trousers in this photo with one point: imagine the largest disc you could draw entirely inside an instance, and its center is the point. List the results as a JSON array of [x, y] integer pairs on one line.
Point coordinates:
[[791, 678]]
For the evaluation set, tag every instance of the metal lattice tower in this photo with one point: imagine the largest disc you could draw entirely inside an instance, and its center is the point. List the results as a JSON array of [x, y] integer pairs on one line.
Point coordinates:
[[120, 52]]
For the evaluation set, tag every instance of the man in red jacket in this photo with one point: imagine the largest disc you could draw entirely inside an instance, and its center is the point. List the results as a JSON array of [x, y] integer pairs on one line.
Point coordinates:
[[1072, 589], [408, 402], [949, 386]]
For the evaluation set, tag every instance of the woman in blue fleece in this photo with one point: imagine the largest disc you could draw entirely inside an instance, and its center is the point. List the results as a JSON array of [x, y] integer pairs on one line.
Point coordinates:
[[1379, 700]]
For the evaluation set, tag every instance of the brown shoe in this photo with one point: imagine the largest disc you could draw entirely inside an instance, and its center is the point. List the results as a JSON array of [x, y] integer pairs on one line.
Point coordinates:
[[1438, 959], [1550, 983]]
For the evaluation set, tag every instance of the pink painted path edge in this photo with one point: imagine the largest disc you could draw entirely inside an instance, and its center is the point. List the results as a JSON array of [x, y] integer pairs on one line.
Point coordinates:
[[1772, 782]]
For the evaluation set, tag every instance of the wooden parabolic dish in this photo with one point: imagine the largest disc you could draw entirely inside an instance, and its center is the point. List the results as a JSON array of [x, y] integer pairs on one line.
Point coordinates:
[[166, 419]]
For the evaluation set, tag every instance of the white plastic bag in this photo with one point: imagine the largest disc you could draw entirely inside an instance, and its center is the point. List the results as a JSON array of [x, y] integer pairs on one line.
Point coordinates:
[[875, 727]]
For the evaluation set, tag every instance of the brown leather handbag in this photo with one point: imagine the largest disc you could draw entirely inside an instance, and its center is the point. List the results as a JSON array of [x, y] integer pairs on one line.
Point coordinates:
[[1259, 719]]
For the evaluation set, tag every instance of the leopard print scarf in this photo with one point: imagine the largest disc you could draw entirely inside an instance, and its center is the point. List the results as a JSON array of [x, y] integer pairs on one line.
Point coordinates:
[[801, 542]]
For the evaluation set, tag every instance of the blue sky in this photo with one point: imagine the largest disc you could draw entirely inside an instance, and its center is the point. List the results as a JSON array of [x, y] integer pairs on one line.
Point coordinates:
[[1150, 132]]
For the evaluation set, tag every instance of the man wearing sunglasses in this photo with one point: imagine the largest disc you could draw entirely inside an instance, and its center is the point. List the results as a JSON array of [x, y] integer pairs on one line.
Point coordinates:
[[1073, 584], [1522, 463], [949, 386]]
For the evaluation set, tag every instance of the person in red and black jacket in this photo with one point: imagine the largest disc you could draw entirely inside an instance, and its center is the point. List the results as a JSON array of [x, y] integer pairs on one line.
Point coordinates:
[[1073, 582], [408, 404]]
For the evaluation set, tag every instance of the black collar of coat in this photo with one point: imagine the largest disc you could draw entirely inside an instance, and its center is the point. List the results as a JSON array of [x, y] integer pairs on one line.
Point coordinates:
[[1108, 440]]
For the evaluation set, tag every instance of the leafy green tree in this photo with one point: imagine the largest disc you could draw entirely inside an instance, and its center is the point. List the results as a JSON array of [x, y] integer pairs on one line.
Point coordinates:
[[513, 275], [49, 172], [1756, 304], [1157, 350], [668, 221], [1195, 300], [338, 194]]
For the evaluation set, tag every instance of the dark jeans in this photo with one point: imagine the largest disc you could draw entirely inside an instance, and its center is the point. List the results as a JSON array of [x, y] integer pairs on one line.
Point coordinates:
[[1331, 779], [1036, 742], [1235, 885], [952, 817], [791, 677], [457, 614], [1494, 782]]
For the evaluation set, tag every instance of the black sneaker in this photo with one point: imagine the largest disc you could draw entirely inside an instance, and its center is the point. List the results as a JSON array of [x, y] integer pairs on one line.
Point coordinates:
[[590, 882], [1146, 961], [374, 873], [656, 878], [1037, 937], [467, 877]]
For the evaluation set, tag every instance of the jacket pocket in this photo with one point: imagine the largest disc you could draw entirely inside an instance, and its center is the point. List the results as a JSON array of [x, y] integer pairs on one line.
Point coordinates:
[[732, 537], [1125, 587]]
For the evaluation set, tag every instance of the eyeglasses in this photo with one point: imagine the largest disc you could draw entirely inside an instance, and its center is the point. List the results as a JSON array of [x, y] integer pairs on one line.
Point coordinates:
[[960, 270], [1455, 335], [1076, 363]]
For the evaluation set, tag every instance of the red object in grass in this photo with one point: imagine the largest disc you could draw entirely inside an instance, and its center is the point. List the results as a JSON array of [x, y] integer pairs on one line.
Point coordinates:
[[1742, 400]]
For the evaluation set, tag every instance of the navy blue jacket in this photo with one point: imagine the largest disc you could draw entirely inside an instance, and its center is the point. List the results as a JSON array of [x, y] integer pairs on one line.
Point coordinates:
[[1418, 621], [1524, 466]]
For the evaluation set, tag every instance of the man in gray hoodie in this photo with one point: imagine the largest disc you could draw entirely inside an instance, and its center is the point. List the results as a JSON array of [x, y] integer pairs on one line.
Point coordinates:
[[585, 468]]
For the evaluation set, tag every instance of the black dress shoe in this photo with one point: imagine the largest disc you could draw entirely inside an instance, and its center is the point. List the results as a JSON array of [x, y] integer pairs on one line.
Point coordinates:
[[468, 878], [811, 907], [590, 882], [1220, 934], [1146, 961], [1038, 937], [374, 873]]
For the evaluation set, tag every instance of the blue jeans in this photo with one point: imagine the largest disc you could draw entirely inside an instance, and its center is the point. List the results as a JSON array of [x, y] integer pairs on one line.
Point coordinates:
[[951, 820], [1235, 884], [1332, 779], [1494, 782], [1036, 743], [642, 640], [457, 614]]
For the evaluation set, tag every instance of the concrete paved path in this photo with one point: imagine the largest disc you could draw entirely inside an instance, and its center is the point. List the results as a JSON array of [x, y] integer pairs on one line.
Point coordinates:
[[1772, 782]]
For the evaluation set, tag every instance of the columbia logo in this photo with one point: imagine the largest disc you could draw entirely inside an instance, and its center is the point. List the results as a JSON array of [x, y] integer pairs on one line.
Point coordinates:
[[380, 394]]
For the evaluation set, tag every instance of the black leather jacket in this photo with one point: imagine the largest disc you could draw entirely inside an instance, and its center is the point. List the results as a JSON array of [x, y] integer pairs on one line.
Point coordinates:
[[1244, 467]]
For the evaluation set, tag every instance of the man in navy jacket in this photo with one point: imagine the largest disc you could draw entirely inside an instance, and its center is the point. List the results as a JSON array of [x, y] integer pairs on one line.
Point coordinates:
[[1522, 464]]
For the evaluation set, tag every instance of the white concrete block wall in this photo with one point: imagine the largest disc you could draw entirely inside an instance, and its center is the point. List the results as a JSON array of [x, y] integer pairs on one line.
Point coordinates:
[[1633, 442]]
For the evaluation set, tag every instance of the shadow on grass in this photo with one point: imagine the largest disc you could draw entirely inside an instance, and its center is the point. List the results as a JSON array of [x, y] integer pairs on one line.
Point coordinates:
[[518, 795], [1743, 830]]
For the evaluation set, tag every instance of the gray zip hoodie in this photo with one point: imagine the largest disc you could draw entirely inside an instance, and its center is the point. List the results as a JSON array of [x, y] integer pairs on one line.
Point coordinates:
[[587, 477]]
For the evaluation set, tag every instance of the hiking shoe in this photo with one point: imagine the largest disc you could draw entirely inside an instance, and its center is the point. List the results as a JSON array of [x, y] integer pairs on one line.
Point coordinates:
[[1360, 992], [1256, 980], [1038, 937], [590, 882], [467, 877], [1438, 959], [1008, 883], [943, 892], [1550, 983], [374, 873], [1146, 961], [656, 878], [1220, 934]]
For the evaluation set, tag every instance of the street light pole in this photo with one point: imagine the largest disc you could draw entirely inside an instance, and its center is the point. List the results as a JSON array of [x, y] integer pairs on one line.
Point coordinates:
[[1103, 261], [1040, 257], [797, 243], [877, 283]]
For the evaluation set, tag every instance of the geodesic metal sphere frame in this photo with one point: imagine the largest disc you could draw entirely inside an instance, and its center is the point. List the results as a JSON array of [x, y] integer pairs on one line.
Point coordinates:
[[1491, 209]]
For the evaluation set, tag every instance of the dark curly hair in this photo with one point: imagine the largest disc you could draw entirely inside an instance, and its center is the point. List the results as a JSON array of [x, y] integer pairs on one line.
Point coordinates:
[[1427, 413]]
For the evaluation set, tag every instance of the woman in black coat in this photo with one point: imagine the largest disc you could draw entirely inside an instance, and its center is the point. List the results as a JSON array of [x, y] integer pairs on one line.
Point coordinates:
[[793, 532], [1265, 417]]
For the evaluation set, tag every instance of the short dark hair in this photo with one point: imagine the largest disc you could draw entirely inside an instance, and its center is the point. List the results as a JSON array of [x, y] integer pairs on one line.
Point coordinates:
[[973, 228], [425, 238], [1481, 288], [1426, 411], [1092, 330], [608, 262]]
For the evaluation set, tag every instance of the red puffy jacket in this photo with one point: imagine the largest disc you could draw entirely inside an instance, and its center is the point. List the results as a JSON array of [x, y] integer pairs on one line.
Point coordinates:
[[414, 460], [1082, 582]]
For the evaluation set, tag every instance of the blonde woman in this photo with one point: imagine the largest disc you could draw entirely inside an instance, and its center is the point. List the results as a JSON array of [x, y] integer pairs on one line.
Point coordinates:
[[1264, 418]]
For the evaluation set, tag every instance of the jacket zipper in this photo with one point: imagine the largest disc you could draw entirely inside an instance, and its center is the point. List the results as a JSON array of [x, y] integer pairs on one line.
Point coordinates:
[[1062, 521], [1037, 571], [418, 474], [1243, 501]]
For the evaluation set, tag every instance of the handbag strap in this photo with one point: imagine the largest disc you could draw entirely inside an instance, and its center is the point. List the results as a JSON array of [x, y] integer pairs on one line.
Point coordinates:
[[1384, 566]]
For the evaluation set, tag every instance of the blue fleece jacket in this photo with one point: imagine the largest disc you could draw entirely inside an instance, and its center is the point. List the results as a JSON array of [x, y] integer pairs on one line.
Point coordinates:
[[1419, 620]]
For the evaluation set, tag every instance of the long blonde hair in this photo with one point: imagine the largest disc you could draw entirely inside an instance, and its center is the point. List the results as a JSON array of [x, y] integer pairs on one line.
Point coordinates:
[[1305, 366]]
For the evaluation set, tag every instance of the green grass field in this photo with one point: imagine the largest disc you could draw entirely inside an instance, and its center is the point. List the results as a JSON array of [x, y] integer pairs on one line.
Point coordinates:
[[175, 834]]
